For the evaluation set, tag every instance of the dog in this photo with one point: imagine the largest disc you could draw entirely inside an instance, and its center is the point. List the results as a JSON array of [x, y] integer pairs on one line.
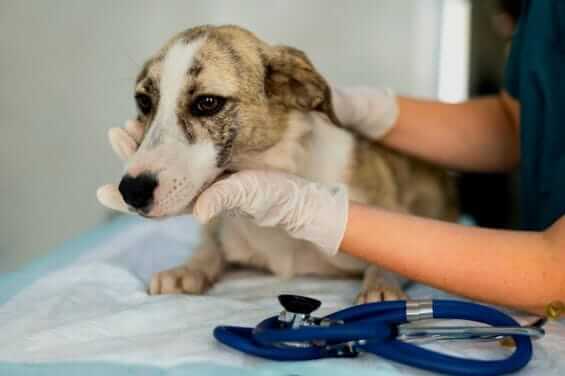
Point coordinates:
[[217, 99]]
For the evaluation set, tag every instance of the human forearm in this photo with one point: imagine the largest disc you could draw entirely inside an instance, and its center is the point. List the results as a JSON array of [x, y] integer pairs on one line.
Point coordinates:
[[517, 269], [478, 135]]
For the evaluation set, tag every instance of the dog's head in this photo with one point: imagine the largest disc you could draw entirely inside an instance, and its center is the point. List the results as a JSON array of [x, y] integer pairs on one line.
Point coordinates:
[[210, 97]]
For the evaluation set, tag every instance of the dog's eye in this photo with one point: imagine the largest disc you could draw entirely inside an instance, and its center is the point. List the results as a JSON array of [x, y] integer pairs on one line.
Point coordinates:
[[144, 103], [207, 105]]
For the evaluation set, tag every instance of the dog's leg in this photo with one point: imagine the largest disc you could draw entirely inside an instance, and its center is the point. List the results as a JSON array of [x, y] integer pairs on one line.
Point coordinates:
[[380, 285], [202, 270]]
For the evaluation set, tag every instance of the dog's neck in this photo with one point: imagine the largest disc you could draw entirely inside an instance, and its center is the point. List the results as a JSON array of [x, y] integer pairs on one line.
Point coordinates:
[[311, 147], [329, 151]]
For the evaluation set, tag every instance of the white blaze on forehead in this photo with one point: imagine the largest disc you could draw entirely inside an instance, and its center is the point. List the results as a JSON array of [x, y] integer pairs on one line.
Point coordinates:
[[174, 75], [174, 71]]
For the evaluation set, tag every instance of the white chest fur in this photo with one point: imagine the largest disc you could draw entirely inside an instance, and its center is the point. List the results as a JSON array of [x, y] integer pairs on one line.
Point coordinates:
[[329, 152]]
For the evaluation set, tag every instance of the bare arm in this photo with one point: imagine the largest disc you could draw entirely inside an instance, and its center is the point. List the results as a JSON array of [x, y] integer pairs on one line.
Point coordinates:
[[478, 135], [517, 269]]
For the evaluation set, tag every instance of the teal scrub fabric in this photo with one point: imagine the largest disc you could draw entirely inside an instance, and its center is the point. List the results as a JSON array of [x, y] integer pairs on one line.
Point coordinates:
[[535, 75]]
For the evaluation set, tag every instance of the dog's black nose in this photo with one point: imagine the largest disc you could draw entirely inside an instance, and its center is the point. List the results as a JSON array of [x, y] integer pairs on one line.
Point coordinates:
[[138, 192]]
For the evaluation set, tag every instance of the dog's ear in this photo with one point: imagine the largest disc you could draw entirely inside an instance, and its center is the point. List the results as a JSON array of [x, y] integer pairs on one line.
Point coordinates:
[[292, 81]]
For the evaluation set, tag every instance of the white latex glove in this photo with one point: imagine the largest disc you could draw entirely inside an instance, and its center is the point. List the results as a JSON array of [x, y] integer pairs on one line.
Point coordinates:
[[124, 142], [311, 211], [371, 112]]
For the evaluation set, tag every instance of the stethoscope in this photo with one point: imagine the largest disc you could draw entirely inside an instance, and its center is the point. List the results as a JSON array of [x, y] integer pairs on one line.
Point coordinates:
[[383, 329]]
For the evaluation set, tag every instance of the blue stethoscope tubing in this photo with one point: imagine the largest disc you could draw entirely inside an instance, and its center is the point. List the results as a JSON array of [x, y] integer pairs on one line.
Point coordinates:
[[376, 323]]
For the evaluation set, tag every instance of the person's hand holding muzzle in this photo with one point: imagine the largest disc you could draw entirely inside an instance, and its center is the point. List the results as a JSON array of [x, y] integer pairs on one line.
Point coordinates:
[[124, 142], [306, 210]]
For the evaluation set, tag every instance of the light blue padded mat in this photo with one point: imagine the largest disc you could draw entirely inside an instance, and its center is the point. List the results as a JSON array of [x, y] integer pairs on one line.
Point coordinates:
[[12, 283], [312, 368]]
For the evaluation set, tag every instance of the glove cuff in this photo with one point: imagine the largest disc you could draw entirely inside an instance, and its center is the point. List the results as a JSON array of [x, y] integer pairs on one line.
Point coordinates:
[[381, 123], [327, 225]]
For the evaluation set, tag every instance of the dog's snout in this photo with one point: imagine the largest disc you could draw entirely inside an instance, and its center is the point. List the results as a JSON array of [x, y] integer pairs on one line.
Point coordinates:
[[138, 191]]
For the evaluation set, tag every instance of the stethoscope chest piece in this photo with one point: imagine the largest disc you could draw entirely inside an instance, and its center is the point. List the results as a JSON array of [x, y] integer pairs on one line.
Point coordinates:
[[382, 329], [297, 310]]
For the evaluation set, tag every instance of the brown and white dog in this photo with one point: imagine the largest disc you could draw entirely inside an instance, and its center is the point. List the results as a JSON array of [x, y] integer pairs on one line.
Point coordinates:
[[218, 99]]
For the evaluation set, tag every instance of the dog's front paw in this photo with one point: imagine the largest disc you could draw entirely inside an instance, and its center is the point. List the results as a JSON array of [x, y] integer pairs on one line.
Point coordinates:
[[179, 280], [380, 293]]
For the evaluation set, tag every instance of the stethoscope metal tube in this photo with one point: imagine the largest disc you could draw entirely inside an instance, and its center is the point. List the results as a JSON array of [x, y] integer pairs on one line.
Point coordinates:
[[423, 335], [383, 329]]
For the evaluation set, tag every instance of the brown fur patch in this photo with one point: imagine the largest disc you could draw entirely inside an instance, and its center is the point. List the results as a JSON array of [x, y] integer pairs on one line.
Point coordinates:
[[397, 182]]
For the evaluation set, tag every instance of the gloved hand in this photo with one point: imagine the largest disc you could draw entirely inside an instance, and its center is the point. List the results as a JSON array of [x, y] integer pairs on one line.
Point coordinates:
[[371, 112], [124, 142], [306, 210]]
